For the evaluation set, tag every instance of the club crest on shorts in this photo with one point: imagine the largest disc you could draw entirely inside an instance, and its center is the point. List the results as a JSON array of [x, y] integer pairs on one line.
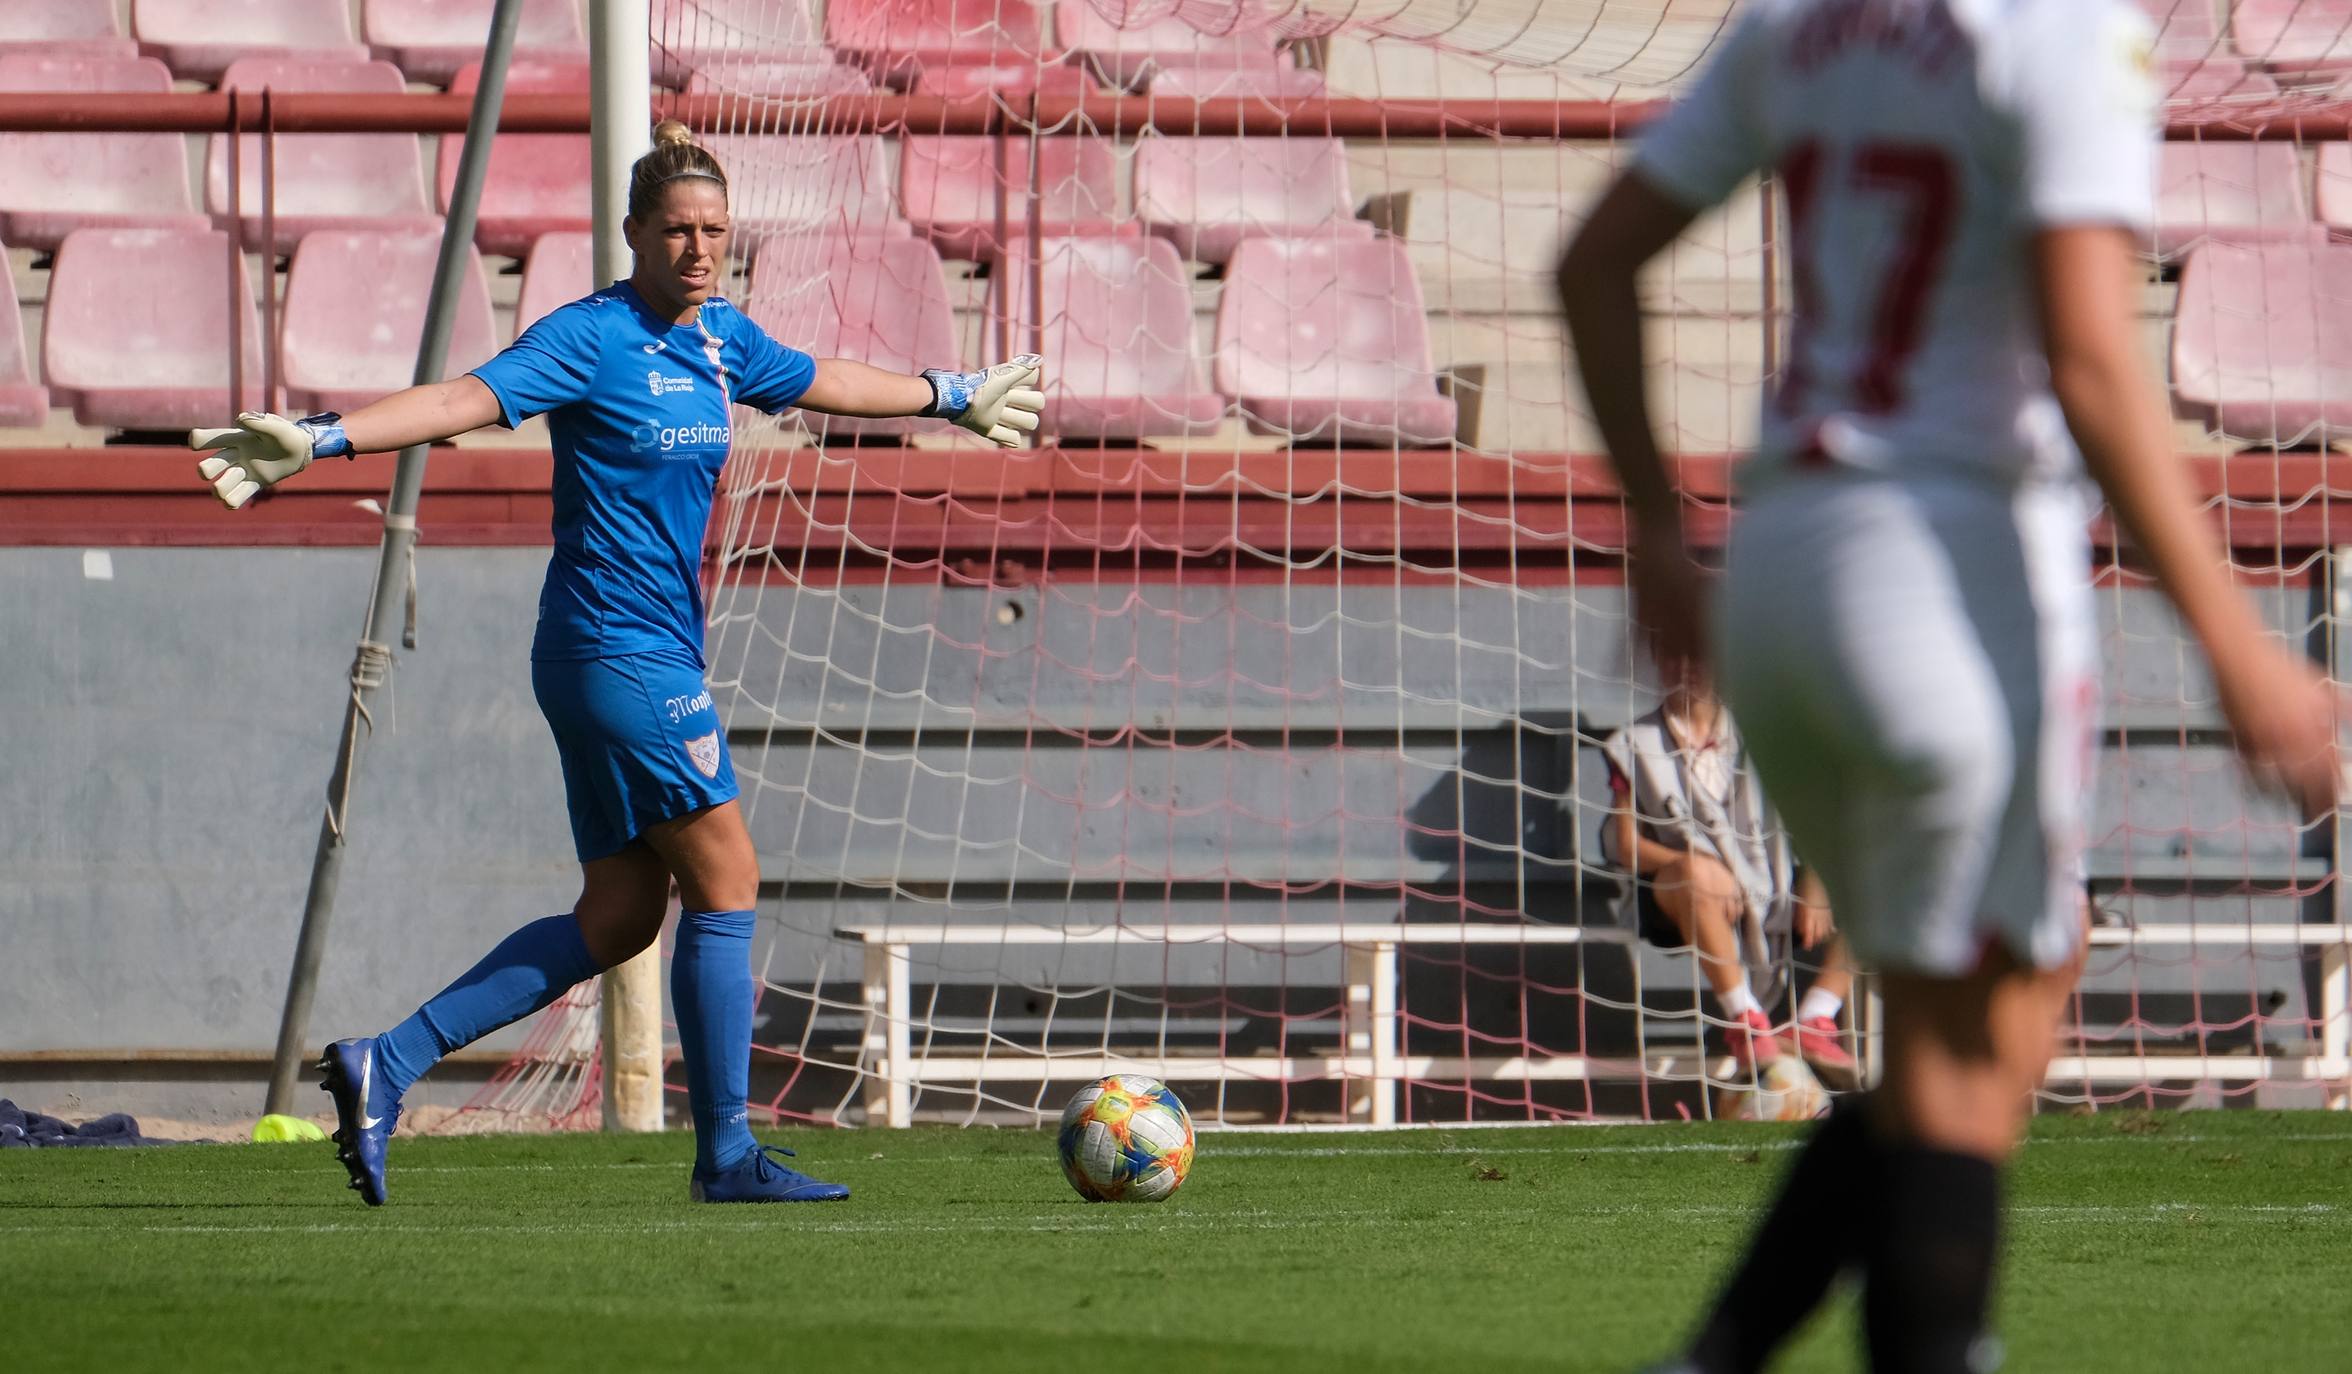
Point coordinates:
[[704, 750]]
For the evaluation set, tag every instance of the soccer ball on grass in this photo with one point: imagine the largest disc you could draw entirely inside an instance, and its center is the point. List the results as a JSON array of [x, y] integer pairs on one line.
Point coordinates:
[[1125, 1139]]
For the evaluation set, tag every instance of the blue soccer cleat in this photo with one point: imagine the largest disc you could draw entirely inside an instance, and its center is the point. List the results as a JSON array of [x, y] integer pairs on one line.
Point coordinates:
[[364, 1118], [757, 1177]]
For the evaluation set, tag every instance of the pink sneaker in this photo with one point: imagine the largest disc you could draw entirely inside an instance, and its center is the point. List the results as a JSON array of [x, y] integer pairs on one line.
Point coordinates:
[[1824, 1048], [1751, 1040]]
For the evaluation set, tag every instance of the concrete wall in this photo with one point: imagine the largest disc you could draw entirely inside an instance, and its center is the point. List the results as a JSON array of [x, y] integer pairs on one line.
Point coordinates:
[[1192, 750]]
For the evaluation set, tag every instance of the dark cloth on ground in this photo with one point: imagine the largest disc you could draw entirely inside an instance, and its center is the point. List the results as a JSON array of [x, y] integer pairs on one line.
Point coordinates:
[[20, 1128]]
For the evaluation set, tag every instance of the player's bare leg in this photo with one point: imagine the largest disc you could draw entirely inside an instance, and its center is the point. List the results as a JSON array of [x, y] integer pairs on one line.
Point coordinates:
[[710, 855], [1703, 900]]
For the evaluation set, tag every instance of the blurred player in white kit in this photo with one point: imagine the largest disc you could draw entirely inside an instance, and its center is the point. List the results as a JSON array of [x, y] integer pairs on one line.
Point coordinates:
[[1905, 631]]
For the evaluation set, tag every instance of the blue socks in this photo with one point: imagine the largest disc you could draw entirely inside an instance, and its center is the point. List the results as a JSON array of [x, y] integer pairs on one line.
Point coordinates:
[[528, 970], [711, 991]]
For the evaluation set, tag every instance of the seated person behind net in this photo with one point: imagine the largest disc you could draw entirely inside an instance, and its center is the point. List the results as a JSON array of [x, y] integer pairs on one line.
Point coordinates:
[[1690, 828]]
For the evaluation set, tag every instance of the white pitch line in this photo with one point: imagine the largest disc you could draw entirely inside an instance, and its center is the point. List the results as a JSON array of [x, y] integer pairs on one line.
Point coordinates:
[[1444, 1152], [1259, 1221]]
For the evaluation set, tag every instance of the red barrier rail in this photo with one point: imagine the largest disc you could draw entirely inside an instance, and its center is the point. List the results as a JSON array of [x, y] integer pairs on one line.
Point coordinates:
[[310, 112], [1063, 506]]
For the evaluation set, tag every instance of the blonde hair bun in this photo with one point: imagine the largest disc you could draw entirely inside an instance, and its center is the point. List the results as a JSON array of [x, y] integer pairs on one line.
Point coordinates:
[[672, 133]]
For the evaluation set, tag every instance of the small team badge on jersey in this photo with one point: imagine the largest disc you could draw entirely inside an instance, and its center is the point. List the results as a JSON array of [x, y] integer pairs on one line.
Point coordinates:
[[705, 753]]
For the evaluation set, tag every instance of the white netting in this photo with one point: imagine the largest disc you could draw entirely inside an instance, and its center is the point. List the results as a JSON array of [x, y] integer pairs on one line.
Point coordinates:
[[1246, 731]]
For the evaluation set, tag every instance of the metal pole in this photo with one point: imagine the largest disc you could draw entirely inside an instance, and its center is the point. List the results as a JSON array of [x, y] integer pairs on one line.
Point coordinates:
[[620, 130], [395, 561]]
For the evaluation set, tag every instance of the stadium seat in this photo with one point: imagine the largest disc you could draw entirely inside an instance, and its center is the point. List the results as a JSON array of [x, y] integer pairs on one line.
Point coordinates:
[[200, 38], [1209, 194], [1118, 333], [355, 309], [721, 36], [2221, 78], [23, 400], [324, 181], [790, 184], [136, 332], [72, 28], [896, 39], [2228, 192], [949, 186], [430, 39], [876, 300], [968, 80], [53, 184], [2187, 31], [1326, 340], [1129, 55], [2294, 37], [778, 79], [536, 183], [1264, 83], [558, 272], [2262, 341], [2334, 199]]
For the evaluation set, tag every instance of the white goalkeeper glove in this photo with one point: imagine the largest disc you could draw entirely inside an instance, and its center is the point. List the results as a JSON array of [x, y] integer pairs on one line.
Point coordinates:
[[999, 405], [264, 450]]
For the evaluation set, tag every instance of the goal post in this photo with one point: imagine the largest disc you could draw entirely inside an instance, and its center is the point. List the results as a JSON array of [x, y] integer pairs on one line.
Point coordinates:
[[620, 131], [1248, 731]]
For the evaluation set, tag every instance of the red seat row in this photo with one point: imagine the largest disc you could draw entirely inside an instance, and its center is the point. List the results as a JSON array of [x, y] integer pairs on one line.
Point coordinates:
[[1205, 194], [2296, 40], [1319, 340], [741, 45], [1323, 340]]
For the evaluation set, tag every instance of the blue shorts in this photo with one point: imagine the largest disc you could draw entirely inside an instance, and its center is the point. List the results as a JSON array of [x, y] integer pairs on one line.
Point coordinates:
[[640, 744]]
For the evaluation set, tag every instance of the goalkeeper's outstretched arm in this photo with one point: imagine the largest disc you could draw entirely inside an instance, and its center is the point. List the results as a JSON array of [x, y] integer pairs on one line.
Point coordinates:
[[262, 450], [1000, 403]]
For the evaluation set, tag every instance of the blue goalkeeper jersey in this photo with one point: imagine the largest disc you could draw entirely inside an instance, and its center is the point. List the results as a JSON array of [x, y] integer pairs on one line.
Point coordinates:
[[638, 408]]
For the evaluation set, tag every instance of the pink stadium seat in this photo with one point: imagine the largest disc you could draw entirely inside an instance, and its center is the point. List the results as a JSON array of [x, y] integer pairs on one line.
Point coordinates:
[[558, 272], [23, 400], [877, 300], [896, 39], [789, 184], [136, 333], [2334, 201], [355, 309], [2222, 78], [78, 28], [537, 183], [1263, 83], [777, 79], [200, 38], [968, 80], [2228, 192], [2262, 341], [430, 39], [721, 36], [1327, 341], [324, 181], [1209, 194], [2187, 31], [949, 186], [53, 184], [2294, 37], [1118, 336], [1129, 54]]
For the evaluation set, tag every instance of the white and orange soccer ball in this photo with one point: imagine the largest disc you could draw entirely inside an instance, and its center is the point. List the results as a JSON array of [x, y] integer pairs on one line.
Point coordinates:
[[1126, 1139]]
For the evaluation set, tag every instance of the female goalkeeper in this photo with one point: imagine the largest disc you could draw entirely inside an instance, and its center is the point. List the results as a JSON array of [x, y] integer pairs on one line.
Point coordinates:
[[637, 381]]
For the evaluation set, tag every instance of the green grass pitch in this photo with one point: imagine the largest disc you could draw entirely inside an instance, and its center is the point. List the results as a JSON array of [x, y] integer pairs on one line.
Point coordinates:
[[2212, 1241]]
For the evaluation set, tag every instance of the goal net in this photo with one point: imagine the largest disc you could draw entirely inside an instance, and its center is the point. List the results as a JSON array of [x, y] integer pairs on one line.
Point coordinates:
[[1245, 730]]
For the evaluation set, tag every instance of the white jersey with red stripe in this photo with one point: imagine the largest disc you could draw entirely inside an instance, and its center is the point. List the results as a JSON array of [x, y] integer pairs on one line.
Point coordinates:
[[1920, 144]]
